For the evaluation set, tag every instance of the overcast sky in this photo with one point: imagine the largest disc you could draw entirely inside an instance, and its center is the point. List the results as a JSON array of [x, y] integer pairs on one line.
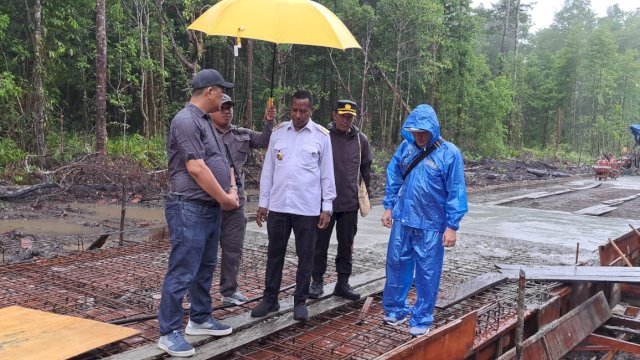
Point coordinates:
[[544, 10]]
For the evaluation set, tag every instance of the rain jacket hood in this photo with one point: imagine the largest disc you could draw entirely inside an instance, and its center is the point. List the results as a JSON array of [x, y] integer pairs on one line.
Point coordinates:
[[424, 118]]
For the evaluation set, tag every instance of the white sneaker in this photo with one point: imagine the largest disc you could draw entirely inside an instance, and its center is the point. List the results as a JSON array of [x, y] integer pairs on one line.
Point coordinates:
[[393, 321], [235, 299], [417, 331], [210, 327]]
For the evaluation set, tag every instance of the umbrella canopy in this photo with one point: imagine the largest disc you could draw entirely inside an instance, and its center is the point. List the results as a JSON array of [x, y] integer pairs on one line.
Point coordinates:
[[302, 22]]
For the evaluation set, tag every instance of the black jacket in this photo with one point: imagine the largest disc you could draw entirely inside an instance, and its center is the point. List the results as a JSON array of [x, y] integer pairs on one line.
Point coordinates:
[[348, 158]]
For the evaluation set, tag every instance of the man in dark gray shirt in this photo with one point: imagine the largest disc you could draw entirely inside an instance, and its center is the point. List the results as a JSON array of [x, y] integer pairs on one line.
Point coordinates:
[[200, 184], [239, 141]]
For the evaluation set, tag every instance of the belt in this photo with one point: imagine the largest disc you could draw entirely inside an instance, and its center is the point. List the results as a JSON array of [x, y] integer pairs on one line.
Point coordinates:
[[174, 197]]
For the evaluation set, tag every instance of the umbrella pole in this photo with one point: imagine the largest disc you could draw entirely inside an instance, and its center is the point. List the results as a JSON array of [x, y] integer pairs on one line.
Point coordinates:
[[273, 68]]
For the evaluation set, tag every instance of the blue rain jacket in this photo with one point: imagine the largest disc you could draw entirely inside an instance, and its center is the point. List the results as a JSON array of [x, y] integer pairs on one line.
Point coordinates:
[[433, 197]]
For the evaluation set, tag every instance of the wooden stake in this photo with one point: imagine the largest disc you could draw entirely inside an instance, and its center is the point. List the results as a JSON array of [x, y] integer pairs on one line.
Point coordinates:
[[520, 325], [626, 261], [577, 252], [634, 229]]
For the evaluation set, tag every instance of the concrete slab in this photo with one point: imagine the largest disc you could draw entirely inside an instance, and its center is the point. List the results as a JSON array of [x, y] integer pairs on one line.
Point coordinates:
[[541, 226]]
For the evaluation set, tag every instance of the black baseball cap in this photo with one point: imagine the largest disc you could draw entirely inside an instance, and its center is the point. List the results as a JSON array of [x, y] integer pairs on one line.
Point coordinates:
[[346, 107], [209, 77]]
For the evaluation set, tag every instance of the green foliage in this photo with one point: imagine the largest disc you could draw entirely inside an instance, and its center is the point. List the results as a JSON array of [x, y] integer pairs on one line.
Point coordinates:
[[569, 89], [149, 152], [10, 153]]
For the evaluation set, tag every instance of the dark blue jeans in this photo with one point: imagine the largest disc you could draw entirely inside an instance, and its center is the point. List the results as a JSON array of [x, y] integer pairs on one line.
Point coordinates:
[[194, 229]]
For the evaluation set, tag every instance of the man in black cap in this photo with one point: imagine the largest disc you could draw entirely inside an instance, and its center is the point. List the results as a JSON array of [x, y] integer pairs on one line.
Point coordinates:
[[351, 163], [200, 185]]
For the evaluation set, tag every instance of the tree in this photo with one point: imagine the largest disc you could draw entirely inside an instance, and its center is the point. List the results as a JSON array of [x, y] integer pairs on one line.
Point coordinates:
[[101, 78]]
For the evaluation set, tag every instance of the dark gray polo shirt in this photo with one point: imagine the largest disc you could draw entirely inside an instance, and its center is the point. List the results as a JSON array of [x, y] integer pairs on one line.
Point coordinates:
[[191, 137]]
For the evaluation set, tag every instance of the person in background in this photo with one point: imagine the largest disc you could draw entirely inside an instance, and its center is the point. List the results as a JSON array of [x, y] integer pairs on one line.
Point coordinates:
[[424, 202], [352, 160], [297, 190], [200, 184], [239, 141]]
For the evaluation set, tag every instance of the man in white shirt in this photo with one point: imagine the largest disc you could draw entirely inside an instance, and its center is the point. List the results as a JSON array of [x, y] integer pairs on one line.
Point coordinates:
[[297, 189]]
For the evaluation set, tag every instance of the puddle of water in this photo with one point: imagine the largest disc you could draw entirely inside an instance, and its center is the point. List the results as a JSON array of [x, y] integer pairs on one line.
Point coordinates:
[[84, 219], [112, 212], [45, 226]]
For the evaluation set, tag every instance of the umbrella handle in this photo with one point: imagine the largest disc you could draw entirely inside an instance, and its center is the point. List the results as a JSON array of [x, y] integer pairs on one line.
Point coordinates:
[[273, 69], [269, 102]]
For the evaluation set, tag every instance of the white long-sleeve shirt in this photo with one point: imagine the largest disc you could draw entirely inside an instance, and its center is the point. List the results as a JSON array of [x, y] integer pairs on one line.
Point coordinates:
[[297, 175]]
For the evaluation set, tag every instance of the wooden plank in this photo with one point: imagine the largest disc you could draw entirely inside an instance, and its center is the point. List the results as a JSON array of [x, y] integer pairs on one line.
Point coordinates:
[[253, 329], [615, 344], [629, 243], [595, 210], [614, 274], [619, 201], [516, 198], [452, 341], [558, 338], [467, 289], [621, 329], [554, 193], [617, 320], [590, 186], [34, 334]]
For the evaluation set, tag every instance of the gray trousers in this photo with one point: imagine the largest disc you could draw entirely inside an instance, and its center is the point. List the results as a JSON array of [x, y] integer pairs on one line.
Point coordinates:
[[234, 224]]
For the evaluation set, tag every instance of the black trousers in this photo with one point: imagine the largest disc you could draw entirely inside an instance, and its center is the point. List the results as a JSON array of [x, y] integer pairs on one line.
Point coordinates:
[[279, 226], [346, 229]]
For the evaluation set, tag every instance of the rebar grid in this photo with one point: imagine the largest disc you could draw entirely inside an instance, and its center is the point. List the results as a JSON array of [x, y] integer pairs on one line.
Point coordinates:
[[338, 334], [124, 283]]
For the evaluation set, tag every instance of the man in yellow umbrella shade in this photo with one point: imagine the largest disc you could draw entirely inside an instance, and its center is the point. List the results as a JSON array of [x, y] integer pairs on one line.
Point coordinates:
[[297, 189]]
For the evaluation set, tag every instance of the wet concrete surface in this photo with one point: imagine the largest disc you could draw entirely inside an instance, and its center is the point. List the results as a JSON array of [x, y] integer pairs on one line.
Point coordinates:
[[534, 226]]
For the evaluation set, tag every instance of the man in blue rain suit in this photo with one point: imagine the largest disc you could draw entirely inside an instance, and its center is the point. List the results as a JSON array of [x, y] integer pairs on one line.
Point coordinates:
[[424, 202]]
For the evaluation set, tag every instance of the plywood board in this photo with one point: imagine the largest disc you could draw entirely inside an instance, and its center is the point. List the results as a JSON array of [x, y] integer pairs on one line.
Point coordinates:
[[34, 334]]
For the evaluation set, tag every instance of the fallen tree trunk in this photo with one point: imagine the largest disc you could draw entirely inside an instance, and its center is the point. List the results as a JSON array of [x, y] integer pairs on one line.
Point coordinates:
[[26, 191]]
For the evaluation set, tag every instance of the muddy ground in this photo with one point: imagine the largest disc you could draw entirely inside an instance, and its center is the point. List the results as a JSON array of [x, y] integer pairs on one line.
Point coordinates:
[[86, 199]]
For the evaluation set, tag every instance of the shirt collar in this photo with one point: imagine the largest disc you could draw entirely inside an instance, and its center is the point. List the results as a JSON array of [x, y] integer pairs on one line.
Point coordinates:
[[309, 125], [197, 111]]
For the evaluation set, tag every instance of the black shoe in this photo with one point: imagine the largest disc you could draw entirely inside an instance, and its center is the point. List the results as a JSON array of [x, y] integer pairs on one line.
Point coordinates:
[[316, 289], [264, 308], [346, 291], [300, 313]]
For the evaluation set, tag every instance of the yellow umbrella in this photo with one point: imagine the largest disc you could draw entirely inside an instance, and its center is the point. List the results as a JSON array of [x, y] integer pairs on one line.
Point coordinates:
[[302, 22]]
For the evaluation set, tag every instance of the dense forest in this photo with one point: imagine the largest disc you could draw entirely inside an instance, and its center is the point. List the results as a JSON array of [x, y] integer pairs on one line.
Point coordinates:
[[103, 75]]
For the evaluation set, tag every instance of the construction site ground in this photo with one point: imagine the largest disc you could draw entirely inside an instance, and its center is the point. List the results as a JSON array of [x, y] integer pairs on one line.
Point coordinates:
[[44, 265]]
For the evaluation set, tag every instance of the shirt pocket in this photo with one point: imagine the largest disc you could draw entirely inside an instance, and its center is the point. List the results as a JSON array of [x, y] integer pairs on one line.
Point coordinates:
[[309, 156], [241, 150], [242, 142], [280, 155]]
